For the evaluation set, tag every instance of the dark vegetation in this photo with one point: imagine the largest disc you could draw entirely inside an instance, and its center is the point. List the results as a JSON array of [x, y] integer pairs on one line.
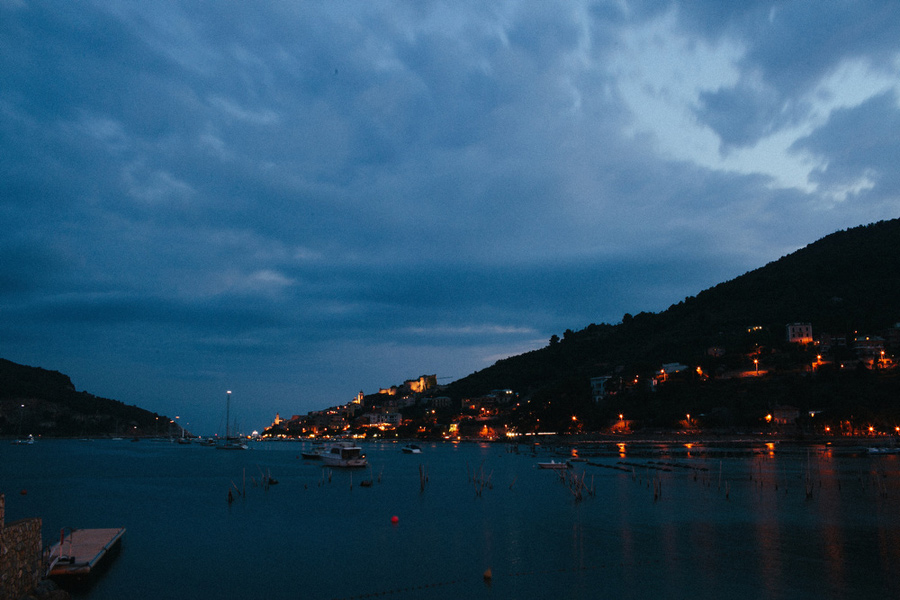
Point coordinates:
[[52, 407], [845, 284]]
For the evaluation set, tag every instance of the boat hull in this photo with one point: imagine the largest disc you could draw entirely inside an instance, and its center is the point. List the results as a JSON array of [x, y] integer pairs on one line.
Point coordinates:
[[553, 465], [344, 456], [348, 463]]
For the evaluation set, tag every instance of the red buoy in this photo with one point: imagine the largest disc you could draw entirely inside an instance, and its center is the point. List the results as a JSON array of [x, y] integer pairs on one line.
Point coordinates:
[[395, 519]]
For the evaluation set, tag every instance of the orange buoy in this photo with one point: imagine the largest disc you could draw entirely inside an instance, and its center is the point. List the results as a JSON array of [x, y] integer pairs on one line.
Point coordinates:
[[395, 519], [24, 492]]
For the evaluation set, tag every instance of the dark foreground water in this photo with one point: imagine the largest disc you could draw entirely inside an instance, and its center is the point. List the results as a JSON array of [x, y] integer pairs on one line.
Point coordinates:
[[744, 521]]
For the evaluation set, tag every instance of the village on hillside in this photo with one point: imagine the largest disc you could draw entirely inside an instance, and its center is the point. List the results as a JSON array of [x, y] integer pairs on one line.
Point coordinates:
[[419, 409]]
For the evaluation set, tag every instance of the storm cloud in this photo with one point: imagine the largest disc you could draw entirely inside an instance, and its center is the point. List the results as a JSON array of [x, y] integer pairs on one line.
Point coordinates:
[[296, 201]]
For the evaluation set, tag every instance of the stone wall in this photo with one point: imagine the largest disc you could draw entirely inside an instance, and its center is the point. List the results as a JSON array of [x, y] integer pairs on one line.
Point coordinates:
[[20, 555]]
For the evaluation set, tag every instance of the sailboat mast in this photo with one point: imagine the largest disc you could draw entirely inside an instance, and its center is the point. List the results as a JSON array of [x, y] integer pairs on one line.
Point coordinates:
[[227, 414]]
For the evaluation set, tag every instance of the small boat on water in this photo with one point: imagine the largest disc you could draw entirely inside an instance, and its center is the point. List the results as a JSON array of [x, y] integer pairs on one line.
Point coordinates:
[[411, 449], [315, 453], [884, 450], [553, 465], [311, 455], [184, 439], [232, 442], [344, 455], [24, 441]]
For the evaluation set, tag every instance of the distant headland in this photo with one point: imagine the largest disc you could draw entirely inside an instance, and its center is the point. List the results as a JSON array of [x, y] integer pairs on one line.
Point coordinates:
[[35, 401]]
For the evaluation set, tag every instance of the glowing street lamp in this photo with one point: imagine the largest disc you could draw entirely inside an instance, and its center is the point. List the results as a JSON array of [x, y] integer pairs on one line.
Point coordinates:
[[756, 364]]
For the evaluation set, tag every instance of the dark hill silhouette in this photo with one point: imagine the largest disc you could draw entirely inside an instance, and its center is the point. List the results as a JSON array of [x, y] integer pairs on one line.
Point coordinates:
[[848, 281], [53, 407]]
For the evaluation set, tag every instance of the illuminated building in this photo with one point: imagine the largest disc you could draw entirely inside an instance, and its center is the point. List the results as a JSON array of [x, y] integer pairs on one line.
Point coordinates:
[[800, 333]]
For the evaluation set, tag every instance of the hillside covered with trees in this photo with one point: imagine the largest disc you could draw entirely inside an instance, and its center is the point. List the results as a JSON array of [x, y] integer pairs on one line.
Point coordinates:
[[41, 402], [846, 285]]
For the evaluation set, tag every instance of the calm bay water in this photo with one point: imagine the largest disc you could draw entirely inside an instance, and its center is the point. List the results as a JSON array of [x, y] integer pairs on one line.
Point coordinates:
[[663, 521]]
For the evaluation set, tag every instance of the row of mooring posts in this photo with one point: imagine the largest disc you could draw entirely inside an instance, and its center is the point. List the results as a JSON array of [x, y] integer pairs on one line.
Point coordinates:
[[479, 479], [809, 479], [265, 481], [576, 483]]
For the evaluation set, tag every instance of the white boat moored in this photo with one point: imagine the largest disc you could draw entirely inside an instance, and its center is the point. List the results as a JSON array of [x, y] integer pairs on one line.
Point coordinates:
[[344, 455]]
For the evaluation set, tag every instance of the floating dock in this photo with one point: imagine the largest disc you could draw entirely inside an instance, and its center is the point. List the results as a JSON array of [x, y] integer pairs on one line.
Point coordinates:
[[80, 552]]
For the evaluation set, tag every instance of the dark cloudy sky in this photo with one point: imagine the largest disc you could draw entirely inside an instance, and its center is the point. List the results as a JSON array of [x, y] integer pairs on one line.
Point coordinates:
[[298, 200]]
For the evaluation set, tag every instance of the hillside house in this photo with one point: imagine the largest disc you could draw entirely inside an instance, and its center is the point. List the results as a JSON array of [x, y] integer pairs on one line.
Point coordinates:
[[599, 389], [800, 333], [785, 415], [869, 348], [440, 402], [892, 337]]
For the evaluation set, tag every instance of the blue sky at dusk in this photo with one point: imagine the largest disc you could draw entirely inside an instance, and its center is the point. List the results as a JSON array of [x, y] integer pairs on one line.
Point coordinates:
[[297, 201]]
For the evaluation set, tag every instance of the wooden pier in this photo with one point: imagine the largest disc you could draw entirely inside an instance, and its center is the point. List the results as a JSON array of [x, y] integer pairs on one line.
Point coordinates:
[[80, 552]]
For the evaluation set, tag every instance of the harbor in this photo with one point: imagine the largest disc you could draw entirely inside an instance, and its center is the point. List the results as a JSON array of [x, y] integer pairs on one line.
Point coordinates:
[[749, 520]]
